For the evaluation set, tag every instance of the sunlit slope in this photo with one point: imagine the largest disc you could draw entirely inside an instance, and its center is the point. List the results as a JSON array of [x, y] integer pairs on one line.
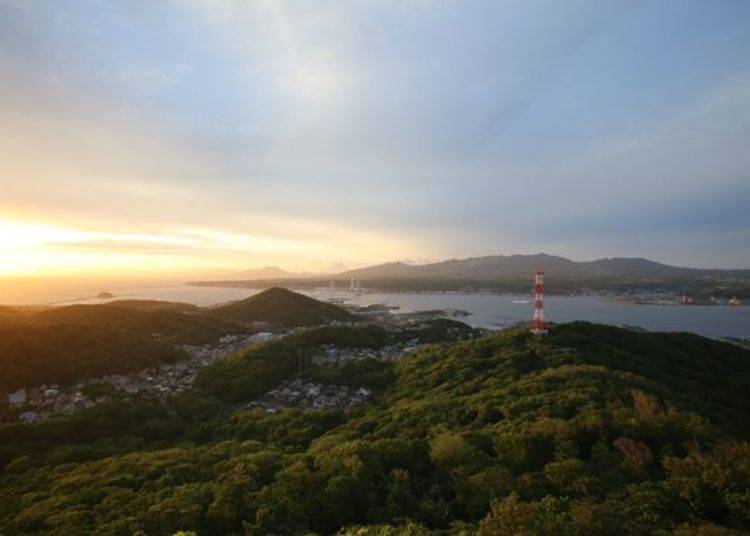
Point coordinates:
[[703, 375], [579, 364]]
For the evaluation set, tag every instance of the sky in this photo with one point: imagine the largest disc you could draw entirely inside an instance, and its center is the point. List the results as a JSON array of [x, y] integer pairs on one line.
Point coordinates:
[[202, 136]]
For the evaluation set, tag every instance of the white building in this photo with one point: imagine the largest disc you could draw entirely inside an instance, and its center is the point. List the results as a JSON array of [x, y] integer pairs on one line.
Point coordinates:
[[18, 398], [30, 417], [261, 337]]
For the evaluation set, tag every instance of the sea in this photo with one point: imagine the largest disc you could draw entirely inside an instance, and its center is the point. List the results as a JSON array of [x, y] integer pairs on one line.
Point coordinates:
[[492, 311]]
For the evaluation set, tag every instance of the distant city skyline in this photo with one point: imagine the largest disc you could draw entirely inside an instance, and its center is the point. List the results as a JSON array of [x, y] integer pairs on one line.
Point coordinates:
[[200, 136]]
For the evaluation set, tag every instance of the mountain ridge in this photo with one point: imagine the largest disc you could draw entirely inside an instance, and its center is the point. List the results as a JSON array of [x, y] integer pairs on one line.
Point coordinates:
[[518, 265]]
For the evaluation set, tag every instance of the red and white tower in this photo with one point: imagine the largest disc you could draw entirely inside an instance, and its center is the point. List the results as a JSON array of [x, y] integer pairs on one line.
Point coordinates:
[[538, 325]]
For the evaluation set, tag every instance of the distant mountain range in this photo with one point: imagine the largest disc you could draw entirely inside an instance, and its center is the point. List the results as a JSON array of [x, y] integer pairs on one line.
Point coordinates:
[[522, 266], [514, 273], [269, 272]]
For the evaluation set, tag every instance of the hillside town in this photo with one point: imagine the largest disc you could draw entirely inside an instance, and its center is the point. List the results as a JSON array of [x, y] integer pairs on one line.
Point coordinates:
[[330, 354], [30, 405], [40, 403], [310, 395]]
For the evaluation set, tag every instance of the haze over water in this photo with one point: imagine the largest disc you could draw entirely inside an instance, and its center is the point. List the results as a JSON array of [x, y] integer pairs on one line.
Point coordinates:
[[492, 311]]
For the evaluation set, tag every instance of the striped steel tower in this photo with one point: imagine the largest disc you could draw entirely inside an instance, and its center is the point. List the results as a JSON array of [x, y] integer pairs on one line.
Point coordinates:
[[538, 325]]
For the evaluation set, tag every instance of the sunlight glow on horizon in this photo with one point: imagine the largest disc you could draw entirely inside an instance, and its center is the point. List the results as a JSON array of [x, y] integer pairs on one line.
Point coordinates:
[[33, 250]]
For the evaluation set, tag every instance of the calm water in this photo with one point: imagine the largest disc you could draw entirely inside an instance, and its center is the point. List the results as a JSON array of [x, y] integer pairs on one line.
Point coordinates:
[[489, 310], [493, 311]]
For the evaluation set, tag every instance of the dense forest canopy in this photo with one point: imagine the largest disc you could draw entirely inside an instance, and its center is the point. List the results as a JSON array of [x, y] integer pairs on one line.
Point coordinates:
[[592, 430]]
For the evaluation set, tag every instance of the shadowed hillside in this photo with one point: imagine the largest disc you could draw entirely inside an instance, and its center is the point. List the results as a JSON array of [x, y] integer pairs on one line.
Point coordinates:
[[74, 342], [71, 343], [283, 307], [34, 355], [172, 322]]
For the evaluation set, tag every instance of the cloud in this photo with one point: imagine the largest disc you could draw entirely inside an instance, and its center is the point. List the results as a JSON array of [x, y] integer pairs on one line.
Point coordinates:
[[371, 131]]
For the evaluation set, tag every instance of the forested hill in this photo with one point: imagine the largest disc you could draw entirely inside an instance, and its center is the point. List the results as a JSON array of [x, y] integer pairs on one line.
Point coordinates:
[[69, 343], [34, 355], [282, 306], [178, 323], [591, 430]]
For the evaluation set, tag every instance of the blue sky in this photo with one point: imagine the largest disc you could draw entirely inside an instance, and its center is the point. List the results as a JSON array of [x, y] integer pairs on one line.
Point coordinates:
[[221, 134]]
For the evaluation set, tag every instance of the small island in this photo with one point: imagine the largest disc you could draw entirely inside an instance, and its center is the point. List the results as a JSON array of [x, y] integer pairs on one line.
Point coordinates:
[[105, 295]]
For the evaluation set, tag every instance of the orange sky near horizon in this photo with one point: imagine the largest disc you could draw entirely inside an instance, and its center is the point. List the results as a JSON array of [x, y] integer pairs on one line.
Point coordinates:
[[29, 249]]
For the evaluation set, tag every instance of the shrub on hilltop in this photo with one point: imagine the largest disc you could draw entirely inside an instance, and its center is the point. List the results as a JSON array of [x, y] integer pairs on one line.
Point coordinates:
[[283, 307]]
